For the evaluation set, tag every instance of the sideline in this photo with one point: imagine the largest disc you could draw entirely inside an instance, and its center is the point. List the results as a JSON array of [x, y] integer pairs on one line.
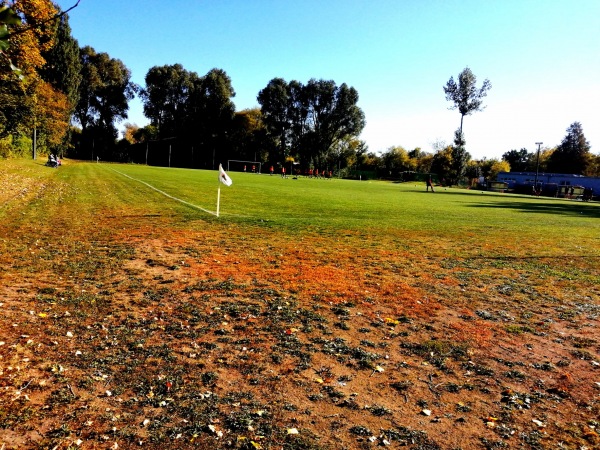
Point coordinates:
[[164, 193]]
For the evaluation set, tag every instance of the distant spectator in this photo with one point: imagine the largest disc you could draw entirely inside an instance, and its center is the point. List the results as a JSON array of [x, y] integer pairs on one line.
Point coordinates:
[[429, 184]]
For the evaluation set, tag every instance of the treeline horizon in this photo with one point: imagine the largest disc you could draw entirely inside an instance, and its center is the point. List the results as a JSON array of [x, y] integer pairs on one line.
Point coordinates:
[[57, 97]]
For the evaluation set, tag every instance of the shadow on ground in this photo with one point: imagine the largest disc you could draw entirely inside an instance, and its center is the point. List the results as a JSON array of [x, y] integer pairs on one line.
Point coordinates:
[[534, 205], [575, 209]]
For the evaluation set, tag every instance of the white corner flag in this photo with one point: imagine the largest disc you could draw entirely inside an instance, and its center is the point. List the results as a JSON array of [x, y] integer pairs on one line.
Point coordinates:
[[223, 177]]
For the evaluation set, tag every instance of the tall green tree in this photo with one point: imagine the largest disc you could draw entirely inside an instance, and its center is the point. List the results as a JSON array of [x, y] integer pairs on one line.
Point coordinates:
[[473, 172], [212, 111], [396, 160], [519, 160], [249, 136], [593, 169], [344, 155], [63, 71], [104, 93], [274, 100], [166, 97], [441, 163], [423, 162], [63, 66], [145, 134], [573, 154], [298, 110], [333, 114], [459, 159], [194, 113], [310, 119], [465, 95]]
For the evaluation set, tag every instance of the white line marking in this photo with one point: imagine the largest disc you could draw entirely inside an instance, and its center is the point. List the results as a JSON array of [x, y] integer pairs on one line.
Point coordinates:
[[164, 193]]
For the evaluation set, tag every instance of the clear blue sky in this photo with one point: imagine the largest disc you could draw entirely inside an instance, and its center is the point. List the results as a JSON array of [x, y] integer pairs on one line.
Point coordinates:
[[542, 58]]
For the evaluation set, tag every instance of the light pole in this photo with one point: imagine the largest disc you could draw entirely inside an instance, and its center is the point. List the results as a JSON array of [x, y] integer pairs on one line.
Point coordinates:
[[537, 164]]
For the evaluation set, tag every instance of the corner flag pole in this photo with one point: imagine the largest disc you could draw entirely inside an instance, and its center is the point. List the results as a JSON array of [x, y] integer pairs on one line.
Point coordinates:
[[223, 178], [218, 198]]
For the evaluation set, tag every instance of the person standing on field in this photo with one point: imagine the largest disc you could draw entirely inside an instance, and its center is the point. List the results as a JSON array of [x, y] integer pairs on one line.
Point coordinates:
[[429, 184]]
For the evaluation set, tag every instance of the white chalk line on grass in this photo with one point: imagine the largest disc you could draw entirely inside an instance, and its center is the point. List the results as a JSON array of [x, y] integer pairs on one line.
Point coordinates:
[[164, 193]]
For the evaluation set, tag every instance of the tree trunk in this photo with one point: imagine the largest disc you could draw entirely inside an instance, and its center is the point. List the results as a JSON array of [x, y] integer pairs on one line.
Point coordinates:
[[34, 143]]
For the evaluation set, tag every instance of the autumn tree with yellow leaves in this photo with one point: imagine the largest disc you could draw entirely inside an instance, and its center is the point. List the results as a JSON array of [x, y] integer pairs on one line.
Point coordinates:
[[28, 102]]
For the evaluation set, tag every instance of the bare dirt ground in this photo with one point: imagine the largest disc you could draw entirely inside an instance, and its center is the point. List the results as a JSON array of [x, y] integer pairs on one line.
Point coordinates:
[[123, 329]]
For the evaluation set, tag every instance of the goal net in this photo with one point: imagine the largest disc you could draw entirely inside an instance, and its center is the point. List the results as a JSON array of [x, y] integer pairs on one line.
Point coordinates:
[[235, 165]]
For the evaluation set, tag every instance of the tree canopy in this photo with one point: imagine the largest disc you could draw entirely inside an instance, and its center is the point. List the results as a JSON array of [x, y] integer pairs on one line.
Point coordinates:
[[104, 93], [196, 111], [309, 120], [573, 153], [459, 158], [465, 95], [23, 44], [519, 160], [166, 97]]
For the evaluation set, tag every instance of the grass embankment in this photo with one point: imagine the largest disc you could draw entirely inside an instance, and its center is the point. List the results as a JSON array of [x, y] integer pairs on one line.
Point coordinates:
[[353, 313]]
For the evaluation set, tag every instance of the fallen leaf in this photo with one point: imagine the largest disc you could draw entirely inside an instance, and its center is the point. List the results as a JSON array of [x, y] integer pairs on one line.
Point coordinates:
[[215, 430]]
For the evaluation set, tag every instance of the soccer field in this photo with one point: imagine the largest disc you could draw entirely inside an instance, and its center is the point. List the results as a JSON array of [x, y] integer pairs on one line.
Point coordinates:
[[377, 209], [311, 314]]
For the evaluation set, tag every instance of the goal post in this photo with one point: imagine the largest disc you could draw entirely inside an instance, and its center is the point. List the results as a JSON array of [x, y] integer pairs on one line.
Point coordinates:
[[236, 165]]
